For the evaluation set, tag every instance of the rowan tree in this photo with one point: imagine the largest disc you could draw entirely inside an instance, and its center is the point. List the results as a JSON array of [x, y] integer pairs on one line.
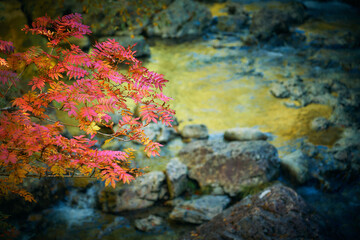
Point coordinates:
[[89, 87]]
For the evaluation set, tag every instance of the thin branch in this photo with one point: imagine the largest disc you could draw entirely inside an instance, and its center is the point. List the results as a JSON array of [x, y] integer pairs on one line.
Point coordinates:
[[72, 125], [8, 109], [12, 83]]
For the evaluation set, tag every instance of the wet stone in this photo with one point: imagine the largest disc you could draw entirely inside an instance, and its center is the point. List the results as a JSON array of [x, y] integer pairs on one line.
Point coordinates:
[[244, 134], [278, 90], [150, 224], [199, 210]]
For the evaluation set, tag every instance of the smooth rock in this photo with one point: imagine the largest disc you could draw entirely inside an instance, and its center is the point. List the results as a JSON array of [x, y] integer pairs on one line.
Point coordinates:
[[234, 166], [296, 166], [244, 134], [199, 210], [160, 133], [277, 212], [278, 90], [176, 173], [199, 131]]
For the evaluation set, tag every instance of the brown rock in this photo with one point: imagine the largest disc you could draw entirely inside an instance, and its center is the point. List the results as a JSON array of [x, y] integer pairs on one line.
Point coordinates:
[[232, 166], [277, 212]]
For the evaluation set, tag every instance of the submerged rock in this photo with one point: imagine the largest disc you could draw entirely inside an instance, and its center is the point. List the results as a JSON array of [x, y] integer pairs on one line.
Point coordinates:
[[232, 166], [277, 212], [199, 210], [141, 193], [244, 134], [150, 224], [119, 222]]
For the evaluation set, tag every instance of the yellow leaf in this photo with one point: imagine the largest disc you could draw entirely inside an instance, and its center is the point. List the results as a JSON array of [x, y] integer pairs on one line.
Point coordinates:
[[107, 182], [94, 126], [108, 140], [113, 183]]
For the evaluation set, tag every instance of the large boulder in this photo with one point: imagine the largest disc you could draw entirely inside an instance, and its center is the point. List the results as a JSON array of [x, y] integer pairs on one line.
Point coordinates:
[[199, 210], [277, 212], [141, 193], [183, 18], [233, 166], [270, 21], [331, 168]]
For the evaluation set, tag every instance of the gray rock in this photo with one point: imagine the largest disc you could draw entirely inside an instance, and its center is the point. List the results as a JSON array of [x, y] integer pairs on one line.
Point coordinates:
[[344, 117], [244, 134], [166, 134], [150, 224], [199, 210], [176, 173], [319, 124], [296, 87], [152, 131], [142, 48], [183, 18], [199, 131], [350, 137], [234, 166], [277, 212], [332, 168], [278, 90], [160, 133], [268, 21], [141, 193], [296, 166]]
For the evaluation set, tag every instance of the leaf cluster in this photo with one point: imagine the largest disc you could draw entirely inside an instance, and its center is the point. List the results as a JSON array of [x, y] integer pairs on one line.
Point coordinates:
[[89, 87]]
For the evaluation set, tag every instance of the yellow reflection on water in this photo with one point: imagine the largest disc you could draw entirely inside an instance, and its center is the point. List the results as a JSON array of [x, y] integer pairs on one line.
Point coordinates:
[[214, 95]]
